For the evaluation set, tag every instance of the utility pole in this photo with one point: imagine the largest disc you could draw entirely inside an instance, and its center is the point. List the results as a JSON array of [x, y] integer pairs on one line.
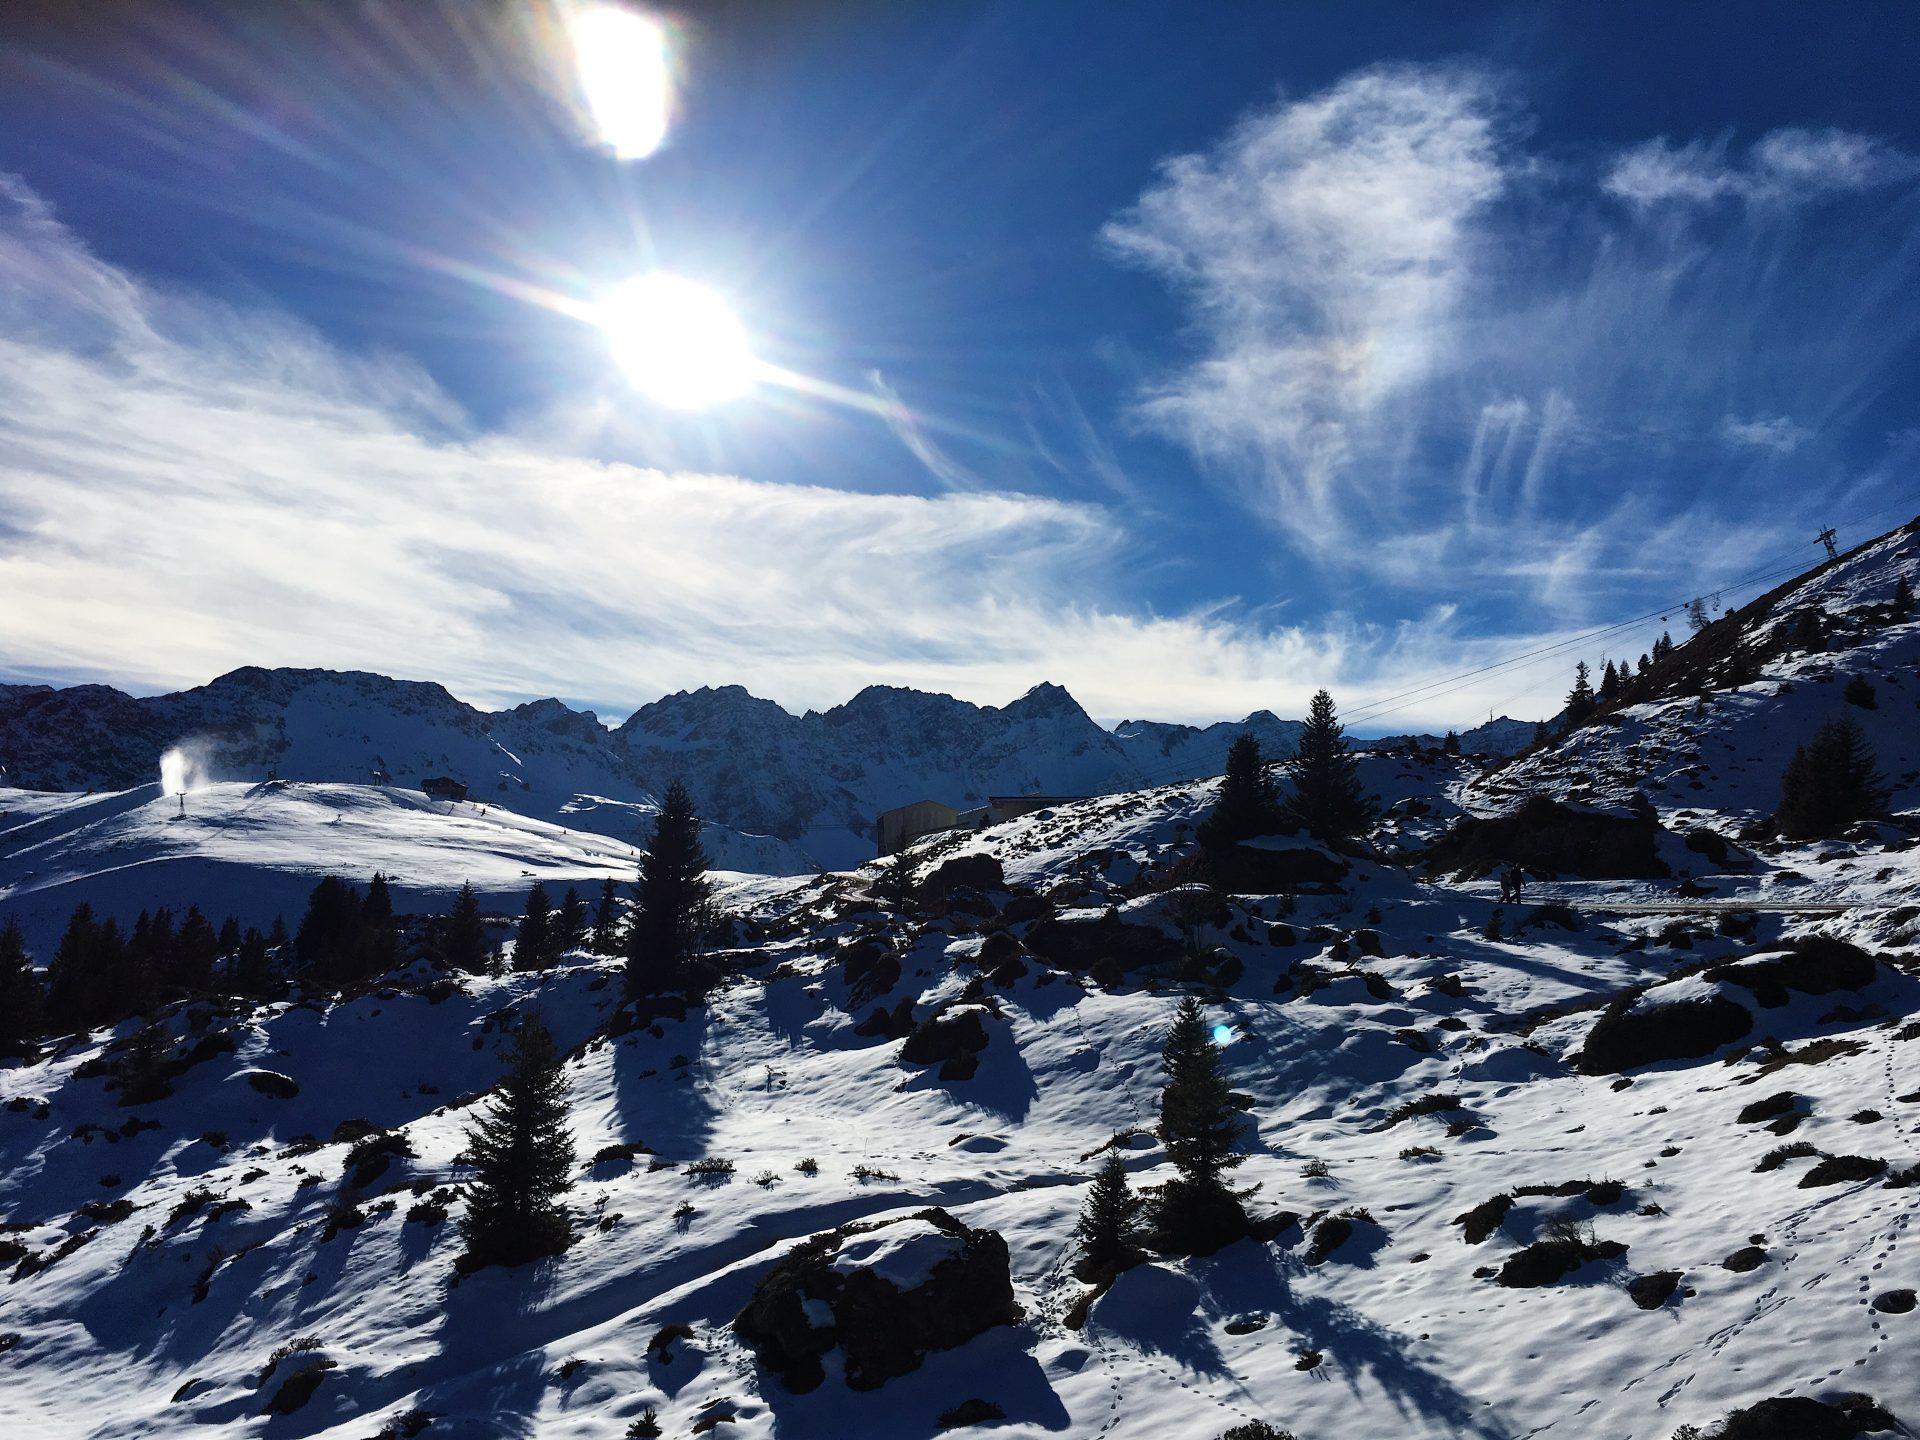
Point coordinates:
[[1826, 539]]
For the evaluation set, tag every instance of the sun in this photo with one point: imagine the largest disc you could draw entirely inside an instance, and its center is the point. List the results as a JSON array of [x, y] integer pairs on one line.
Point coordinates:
[[679, 342]]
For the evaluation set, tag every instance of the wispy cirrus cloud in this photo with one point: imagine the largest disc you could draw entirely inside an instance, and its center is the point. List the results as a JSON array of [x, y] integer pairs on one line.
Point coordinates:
[[1787, 166], [187, 488], [1422, 350]]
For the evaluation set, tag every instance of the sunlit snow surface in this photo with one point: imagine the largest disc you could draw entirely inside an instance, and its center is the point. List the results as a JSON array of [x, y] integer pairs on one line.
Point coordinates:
[[1394, 1335]]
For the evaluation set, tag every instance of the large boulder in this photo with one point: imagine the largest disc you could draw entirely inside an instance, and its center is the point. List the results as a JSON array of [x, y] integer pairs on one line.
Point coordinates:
[[963, 872], [951, 1038], [1104, 945], [884, 1293], [1799, 1417], [1811, 965], [1545, 837], [1647, 1029], [1274, 865]]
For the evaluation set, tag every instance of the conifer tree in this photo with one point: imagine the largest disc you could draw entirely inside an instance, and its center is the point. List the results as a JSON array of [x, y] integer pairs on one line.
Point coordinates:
[[1109, 1221], [277, 936], [606, 921], [1830, 783], [673, 908], [252, 972], [195, 947], [522, 1157], [1450, 745], [230, 935], [570, 923], [463, 939], [23, 1011], [1580, 698], [1646, 664], [1808, 633], [1328, 800], [143, 1065], [533, 944], [1662, 647], [1902, 598], [378, 941], [1541, 735], [324, 945], [1697, 617], [1247, 805], [1198, 1126]]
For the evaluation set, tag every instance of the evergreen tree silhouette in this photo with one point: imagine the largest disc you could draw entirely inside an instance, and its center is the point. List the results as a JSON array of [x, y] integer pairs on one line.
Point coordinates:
[[463, 939], [606, 921], [533, 944], [1328, 800], [1902, 598], [1198, 1126], [377, 942], [1580, 698], [522, 1157], [1247, 805], [673, 908], [1830, 783], [143, 1065], [252, 972], [570, 921], [1450, 744], [23, 1011], [1108, 1228]]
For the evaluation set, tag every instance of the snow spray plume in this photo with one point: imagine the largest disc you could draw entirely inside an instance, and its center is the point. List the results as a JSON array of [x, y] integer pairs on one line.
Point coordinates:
[[185, 767]]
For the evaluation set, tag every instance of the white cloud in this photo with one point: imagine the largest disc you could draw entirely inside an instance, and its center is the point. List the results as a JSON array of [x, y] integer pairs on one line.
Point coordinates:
[[186, 488], [1324, 245], [1774, 433], [1786, 166]]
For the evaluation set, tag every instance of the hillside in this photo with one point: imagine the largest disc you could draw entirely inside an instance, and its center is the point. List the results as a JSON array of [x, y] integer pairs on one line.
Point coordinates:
[[815, 781], [1635, 1154]]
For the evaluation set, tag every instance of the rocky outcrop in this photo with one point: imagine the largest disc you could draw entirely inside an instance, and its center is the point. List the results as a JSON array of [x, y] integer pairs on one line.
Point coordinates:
[[1811, 965], [952, 1039], [1547, 838], [883, 1293], [1637, 1030]]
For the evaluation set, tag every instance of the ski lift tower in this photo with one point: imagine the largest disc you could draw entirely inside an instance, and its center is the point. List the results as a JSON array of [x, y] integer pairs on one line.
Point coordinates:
[[1826, 539]]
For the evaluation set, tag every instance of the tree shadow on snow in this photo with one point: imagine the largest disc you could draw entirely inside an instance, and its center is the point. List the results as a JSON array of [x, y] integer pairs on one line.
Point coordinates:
[[670, 1110], [997, 1366]]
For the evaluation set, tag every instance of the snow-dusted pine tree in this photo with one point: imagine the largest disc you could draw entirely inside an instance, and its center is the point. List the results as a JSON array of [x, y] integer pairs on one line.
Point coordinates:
[[522, 1157]]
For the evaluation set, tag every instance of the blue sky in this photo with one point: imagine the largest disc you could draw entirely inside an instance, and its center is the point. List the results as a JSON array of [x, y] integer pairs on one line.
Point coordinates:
[[1193, 357]]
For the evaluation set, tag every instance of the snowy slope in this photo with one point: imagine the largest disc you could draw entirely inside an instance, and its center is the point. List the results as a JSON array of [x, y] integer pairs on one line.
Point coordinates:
[[1396, 1333], [815, 780], [255, 851]]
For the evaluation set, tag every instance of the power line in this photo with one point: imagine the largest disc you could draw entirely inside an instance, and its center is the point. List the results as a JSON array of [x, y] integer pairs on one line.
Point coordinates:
[[1450, 684]]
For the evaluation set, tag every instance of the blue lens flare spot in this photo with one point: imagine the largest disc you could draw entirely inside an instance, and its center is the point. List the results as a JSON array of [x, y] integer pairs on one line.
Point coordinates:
[[1223, 1034]]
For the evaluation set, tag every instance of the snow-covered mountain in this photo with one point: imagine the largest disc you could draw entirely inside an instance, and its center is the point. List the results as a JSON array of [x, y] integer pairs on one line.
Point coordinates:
[[1502, 735], [815, 780], [1633, 1158]]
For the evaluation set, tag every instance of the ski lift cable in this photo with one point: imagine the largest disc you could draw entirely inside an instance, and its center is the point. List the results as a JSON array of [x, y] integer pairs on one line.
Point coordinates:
[[1769, 569]]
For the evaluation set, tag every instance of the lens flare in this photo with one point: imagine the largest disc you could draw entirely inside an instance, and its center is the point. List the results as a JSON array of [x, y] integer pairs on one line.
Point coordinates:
[[1223, 1034], [621, 60], [679, 342]]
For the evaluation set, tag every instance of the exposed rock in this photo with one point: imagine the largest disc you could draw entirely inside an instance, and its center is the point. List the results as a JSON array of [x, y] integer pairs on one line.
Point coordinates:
[[273, 1083], [1894, 1302], [1650, 1292], [1273, 866], [969, 872], [1796, 1417], [1546, 1261], [1812, 965], [1747, 1257], [1630, 1034], [1545, 837], [1103, 945], [952, 1039], [1842, 1170], [885, 1293]]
